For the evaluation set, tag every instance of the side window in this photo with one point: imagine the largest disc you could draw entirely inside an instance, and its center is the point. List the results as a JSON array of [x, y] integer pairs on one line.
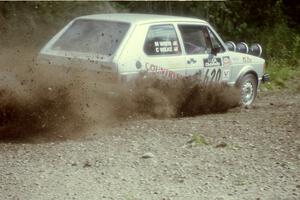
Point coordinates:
[[162, 40], [195, 39], [215, 42]]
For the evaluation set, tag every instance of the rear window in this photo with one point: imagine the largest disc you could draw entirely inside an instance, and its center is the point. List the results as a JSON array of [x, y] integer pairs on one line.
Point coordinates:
[[92, 36]]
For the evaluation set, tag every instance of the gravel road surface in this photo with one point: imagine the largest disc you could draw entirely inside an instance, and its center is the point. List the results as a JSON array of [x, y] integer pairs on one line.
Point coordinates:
[[249, 153]]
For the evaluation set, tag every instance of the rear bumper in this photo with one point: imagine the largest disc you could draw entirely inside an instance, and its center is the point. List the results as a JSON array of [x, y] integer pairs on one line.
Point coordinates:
[[265, 78]]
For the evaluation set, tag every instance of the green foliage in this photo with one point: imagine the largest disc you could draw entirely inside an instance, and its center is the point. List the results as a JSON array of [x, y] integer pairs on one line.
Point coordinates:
[[282, 75], [295, 52]]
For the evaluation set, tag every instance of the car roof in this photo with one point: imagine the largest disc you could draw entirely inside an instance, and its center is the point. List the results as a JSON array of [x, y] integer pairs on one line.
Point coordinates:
[[140, 18]]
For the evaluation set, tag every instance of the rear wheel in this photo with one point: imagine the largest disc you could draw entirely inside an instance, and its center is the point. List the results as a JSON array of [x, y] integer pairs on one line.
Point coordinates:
[[248, 86]]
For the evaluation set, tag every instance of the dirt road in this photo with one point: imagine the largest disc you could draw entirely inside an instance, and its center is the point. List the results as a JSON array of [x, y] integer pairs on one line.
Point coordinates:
[[243, 154]]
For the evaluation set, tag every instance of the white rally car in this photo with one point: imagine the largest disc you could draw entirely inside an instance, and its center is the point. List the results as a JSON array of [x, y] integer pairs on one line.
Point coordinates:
[[122, 46]]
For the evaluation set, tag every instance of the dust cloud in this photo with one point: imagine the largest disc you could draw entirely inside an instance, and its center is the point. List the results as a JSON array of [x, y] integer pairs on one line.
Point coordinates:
[[46, 103], [181, 97], [24, 118]]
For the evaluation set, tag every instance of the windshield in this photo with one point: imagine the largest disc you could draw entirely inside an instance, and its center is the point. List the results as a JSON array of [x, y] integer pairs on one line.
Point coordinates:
[[92, 36]]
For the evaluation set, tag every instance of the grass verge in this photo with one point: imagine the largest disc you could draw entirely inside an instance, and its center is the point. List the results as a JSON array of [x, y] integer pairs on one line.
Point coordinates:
[[283, 76]]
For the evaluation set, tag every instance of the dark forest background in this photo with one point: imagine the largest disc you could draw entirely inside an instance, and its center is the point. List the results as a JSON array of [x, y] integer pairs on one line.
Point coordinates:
[[275, 24]]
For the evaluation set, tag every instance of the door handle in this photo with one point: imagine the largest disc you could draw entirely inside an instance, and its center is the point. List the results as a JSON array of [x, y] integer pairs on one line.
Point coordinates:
[[191, 61]]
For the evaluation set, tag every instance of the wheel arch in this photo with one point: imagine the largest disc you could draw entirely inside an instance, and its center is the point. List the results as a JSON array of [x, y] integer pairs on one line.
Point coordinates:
[[246, 70]]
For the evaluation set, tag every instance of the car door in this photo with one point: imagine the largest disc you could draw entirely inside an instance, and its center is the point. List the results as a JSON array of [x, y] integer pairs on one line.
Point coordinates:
[[162, 53], [206, 57]]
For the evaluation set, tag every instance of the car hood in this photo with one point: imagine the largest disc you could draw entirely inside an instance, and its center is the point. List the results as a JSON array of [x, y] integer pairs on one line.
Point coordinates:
[[238, 58]]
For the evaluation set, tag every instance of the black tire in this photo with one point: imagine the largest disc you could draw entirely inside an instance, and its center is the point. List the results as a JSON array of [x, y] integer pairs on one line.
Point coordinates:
[[248, 87]]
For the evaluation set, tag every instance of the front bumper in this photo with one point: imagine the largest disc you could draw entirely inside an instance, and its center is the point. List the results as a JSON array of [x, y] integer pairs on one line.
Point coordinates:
[[265, 78]]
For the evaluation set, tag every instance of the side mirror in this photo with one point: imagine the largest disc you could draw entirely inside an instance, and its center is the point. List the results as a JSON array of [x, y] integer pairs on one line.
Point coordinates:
[[215, 50]]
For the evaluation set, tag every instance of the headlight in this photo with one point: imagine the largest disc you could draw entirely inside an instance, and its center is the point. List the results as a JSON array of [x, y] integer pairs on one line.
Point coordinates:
[[242, 47], [255, 49], [231, 46]]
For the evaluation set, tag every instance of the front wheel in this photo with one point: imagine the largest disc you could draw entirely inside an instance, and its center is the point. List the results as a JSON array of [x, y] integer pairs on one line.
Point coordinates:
[[248, 86]]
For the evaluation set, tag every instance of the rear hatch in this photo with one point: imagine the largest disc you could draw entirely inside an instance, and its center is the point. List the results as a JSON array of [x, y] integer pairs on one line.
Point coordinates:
[[87, 44]]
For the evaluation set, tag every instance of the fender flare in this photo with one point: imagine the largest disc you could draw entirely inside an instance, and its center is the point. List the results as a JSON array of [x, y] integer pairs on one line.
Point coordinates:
[[244, 71]]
